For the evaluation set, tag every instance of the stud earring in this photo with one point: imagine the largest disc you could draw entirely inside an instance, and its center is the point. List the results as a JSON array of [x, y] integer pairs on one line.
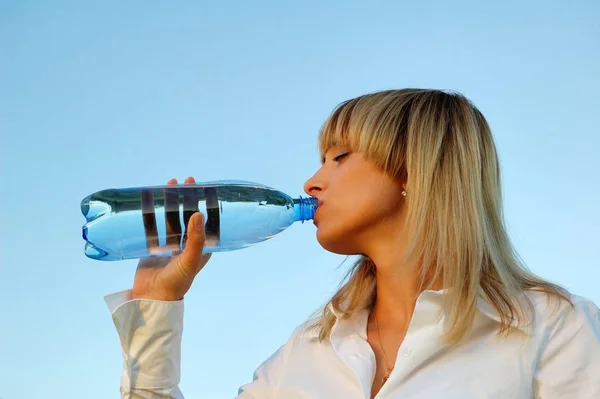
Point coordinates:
[[404, 193]]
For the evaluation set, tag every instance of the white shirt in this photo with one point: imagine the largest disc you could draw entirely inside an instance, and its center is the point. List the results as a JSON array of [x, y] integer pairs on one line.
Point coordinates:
[[558, 356]]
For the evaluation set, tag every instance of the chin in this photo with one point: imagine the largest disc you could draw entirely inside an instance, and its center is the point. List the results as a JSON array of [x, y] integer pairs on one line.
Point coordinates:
[[337, 243]]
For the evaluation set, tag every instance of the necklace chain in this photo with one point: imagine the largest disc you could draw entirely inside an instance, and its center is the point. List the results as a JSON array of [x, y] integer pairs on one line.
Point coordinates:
[[389, 369]]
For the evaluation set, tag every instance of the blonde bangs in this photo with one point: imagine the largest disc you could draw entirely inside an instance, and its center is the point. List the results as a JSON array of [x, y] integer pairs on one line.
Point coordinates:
[[374, 125], [335, 131]]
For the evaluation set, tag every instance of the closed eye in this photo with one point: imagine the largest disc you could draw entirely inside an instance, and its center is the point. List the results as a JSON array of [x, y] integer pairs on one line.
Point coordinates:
[[337, 159]]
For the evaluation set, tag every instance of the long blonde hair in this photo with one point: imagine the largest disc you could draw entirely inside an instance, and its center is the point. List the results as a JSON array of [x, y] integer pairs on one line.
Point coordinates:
[[441, 145]]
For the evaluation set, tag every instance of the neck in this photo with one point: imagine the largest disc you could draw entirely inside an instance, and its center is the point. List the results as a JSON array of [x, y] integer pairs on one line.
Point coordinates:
[[397, 292], [398, 282], [398, 287]]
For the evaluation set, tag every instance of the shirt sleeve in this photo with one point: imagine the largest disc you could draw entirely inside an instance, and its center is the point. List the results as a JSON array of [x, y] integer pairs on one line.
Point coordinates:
[[150, 333], [570, 360]]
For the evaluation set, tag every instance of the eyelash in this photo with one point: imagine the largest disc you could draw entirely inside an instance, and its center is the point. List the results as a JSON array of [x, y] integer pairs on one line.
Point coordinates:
[[336, 159]]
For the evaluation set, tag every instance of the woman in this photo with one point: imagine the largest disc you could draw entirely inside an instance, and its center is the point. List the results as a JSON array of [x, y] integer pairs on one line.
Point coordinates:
[[437, 305]]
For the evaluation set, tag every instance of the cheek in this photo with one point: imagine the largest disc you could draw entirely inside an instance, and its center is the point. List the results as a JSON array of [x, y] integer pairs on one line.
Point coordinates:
[[359, 215]]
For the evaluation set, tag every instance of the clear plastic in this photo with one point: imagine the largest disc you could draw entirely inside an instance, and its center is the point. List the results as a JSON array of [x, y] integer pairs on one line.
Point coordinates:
[[141, 222]]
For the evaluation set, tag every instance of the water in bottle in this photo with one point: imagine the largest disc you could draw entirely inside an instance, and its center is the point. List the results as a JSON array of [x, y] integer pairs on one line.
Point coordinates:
[[140, 222]]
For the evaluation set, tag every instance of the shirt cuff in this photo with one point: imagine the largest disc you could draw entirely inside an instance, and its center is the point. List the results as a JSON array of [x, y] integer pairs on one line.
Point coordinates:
[[150, 332]]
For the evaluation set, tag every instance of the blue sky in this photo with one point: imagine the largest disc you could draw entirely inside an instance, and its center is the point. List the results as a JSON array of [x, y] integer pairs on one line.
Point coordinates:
[[120, 94]]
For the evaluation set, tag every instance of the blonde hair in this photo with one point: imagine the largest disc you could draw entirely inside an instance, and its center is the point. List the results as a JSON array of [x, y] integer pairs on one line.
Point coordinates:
[[441, 145]]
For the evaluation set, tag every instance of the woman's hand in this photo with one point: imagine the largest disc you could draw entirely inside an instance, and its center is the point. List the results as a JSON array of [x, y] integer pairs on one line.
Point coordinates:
[[169, 279]]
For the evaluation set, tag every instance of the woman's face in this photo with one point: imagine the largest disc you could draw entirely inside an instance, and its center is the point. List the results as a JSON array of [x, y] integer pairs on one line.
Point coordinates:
[[358, 203]]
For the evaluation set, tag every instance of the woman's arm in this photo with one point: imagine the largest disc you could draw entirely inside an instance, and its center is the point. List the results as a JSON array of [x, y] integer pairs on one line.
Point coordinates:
[[151, 332]]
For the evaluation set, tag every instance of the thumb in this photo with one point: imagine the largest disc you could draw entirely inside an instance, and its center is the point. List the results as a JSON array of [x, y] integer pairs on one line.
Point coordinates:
[[190, 260]]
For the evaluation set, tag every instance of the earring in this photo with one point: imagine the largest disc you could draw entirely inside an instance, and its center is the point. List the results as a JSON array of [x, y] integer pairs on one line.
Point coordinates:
[[404, 193]]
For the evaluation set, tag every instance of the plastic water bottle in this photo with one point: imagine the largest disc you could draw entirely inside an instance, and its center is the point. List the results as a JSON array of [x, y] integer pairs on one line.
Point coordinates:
[[143, 222]]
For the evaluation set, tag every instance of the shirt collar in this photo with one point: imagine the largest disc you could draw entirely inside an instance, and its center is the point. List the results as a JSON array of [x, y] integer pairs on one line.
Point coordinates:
[[428, 310], [485, 307]]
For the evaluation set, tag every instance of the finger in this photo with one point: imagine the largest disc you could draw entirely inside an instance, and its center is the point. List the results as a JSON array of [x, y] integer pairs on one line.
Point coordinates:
[[153, 262], [149, 219], [190, 260], [172, 223], [191, 197]]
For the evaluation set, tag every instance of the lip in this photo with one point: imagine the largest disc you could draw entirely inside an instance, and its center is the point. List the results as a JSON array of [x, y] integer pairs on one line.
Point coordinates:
[[319, 204]]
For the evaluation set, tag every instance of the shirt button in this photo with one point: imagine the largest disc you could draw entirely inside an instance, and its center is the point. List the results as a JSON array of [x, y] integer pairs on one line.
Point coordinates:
[[407, 352]]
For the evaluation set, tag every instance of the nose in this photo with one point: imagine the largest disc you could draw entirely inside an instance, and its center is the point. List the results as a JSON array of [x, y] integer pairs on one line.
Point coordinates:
[[314, 185]]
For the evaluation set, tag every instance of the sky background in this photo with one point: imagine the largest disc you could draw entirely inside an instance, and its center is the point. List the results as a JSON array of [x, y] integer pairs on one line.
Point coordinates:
[[96, 95]]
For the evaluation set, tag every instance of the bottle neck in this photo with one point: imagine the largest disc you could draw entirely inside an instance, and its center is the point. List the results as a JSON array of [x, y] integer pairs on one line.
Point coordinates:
[[304, 208]]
